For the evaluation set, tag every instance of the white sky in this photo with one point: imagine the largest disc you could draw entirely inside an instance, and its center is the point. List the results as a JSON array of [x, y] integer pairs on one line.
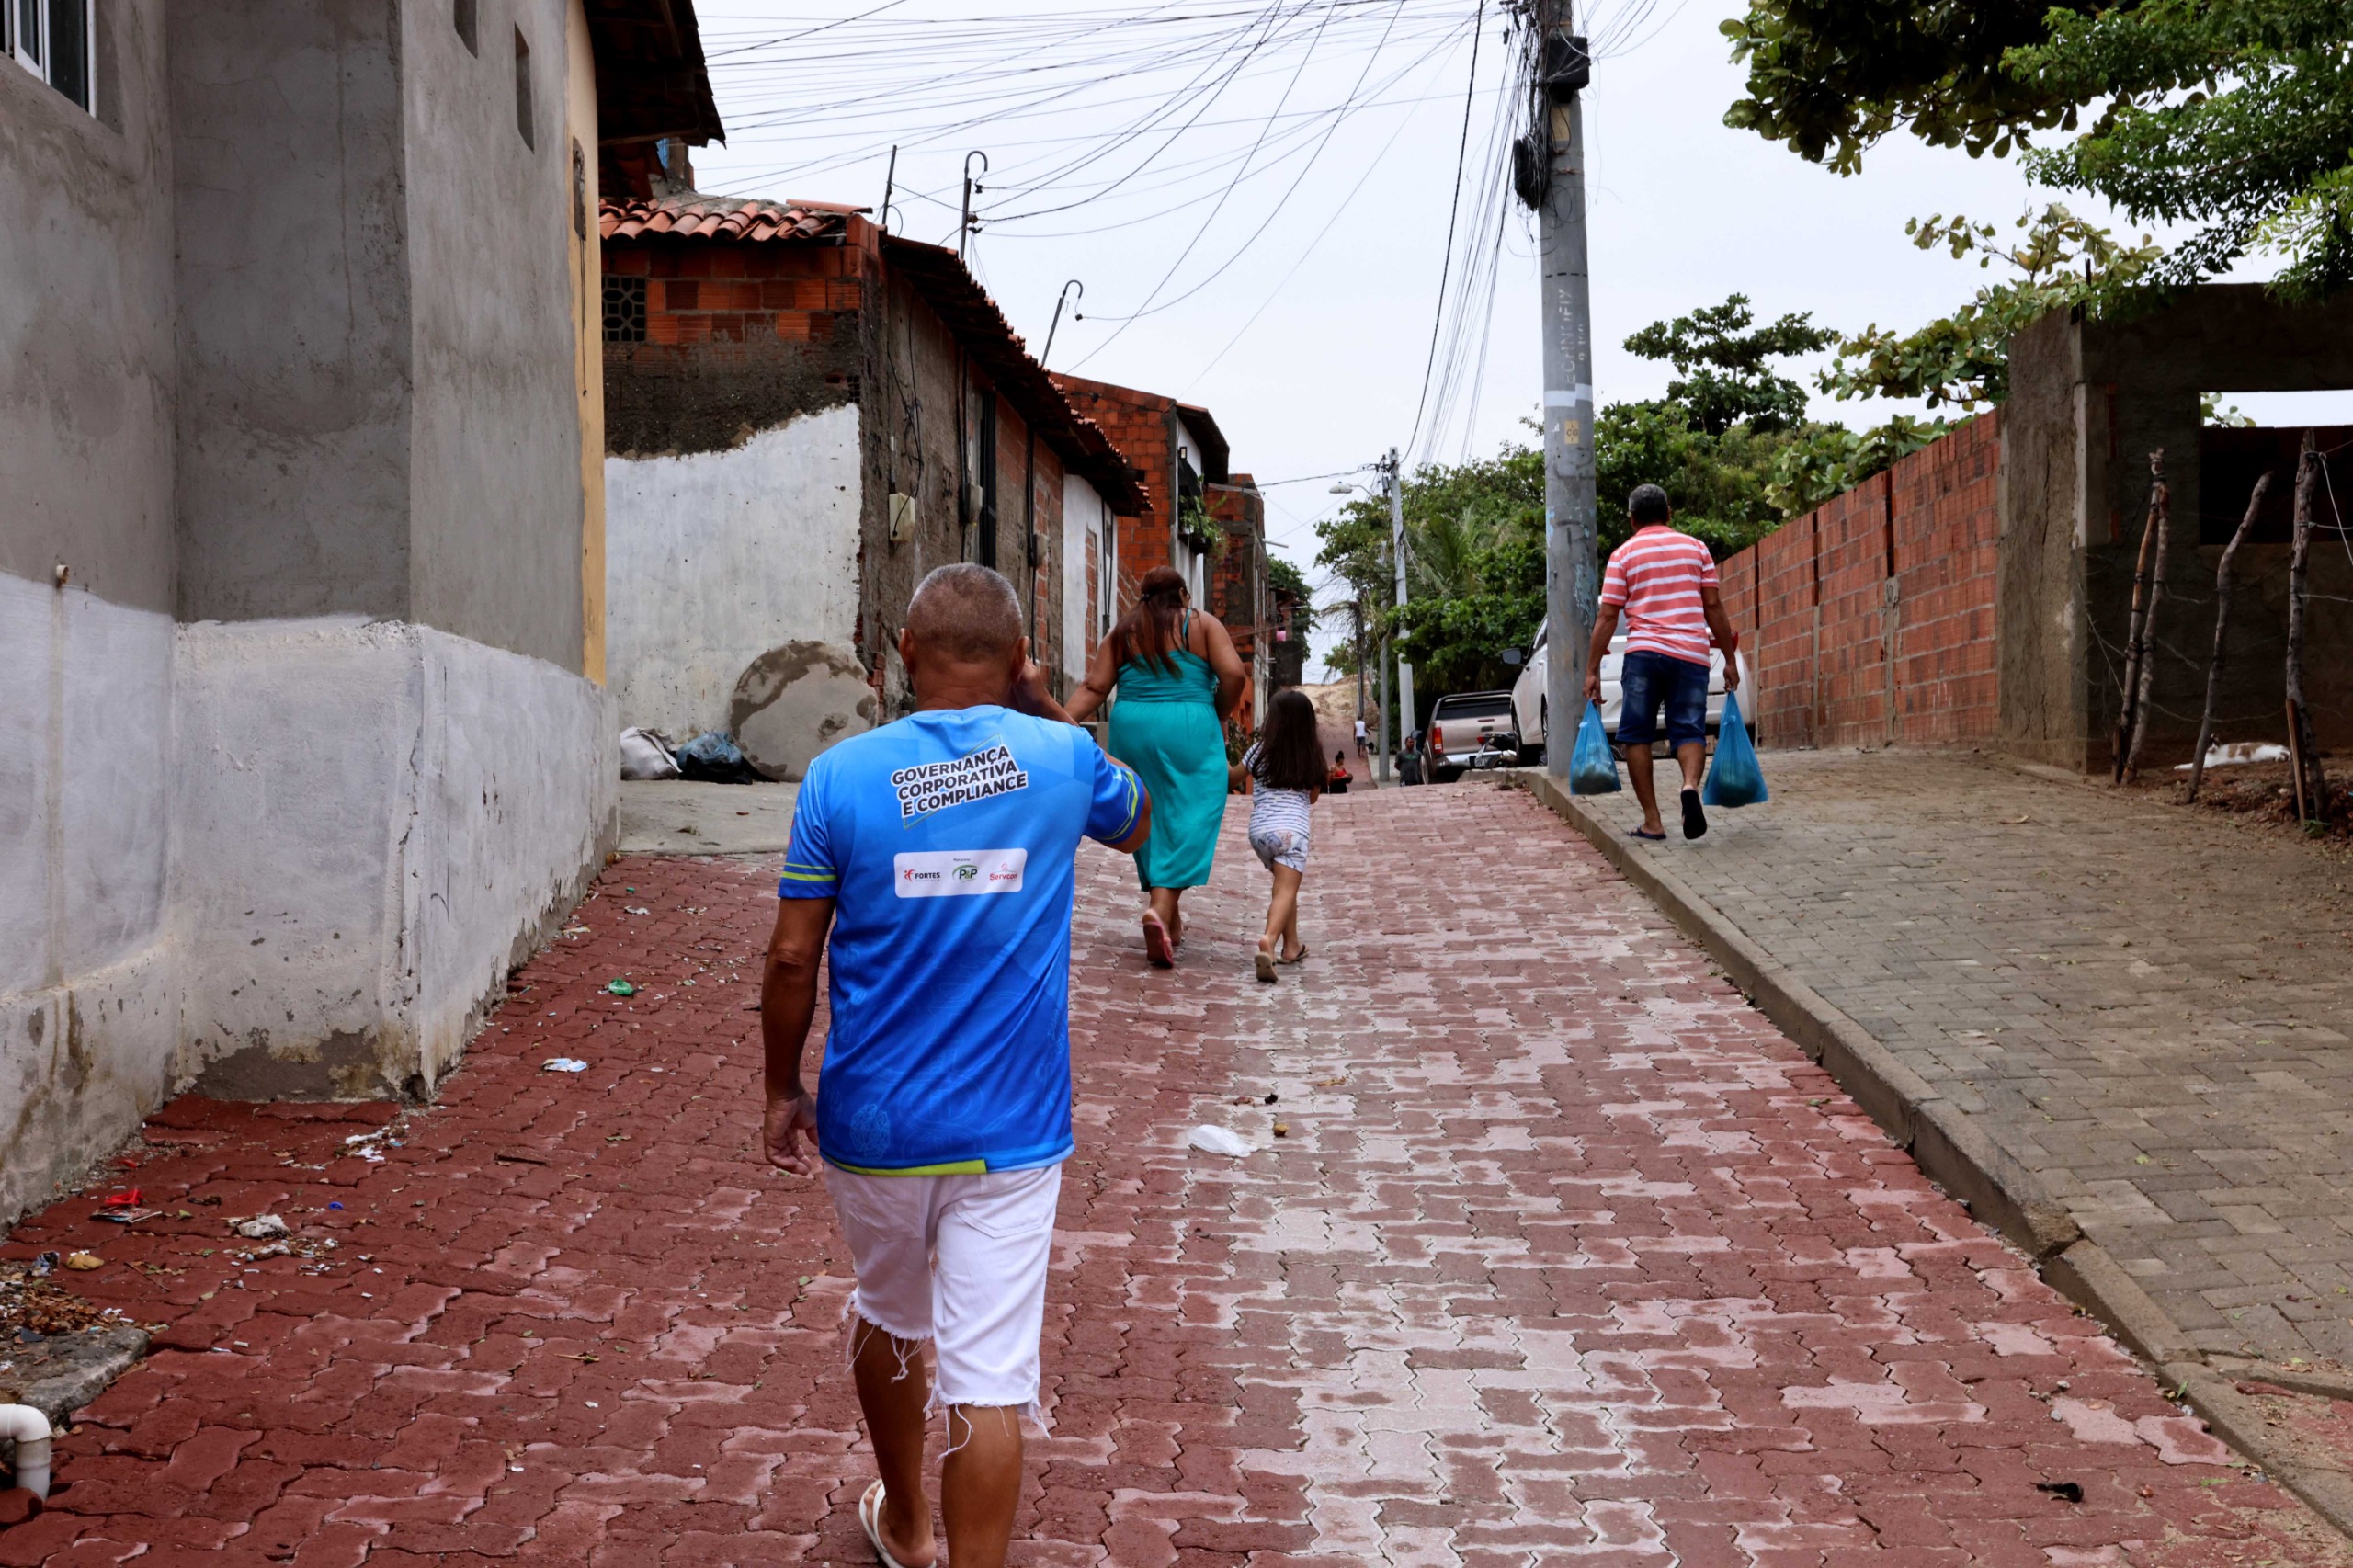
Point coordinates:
[[1341, 268]]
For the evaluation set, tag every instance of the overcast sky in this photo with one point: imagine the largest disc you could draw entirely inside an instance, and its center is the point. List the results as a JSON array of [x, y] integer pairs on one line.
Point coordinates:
[[1337, 252]]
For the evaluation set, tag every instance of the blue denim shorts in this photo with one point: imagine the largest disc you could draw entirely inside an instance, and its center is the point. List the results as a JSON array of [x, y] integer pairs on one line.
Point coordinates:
[[1645, 680]]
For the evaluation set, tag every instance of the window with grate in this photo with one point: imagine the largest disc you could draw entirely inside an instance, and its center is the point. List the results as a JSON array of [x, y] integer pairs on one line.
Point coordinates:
[[55, 41], [624, 309]]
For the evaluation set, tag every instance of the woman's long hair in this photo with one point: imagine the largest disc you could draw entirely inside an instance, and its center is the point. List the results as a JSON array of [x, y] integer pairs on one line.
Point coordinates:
[[1148, 632], [1290, 751]]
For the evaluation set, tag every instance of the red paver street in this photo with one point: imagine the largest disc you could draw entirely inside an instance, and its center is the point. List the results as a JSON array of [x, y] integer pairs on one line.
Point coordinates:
[[1567, 1257]]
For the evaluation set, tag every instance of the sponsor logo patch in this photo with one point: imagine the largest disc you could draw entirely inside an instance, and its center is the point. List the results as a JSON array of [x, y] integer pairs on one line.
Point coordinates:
[[958, 873]]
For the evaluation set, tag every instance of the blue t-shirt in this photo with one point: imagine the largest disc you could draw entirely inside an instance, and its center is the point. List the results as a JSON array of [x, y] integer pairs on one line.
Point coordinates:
[[949, 842]]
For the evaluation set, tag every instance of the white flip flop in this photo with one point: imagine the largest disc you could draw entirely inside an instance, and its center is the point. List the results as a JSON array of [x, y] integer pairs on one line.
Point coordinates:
[[869, 1514]]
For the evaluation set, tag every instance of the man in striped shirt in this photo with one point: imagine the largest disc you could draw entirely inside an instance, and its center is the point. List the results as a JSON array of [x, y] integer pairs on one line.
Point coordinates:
[[1665, 582]]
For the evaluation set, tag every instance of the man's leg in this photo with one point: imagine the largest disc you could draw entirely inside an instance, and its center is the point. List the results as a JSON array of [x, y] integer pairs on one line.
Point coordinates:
[[887, 1222], [995, 1237], [980, 1482], [1638, 768], [1693, 756], [892, 1393]]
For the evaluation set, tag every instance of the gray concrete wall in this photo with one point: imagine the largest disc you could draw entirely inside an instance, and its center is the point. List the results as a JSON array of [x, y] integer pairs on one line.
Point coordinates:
[[86, 334], [294, 333], [494, 460], [87, 381], [2038, 616]]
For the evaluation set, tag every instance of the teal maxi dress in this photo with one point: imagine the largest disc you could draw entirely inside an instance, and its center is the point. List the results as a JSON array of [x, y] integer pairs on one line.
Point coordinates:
[[1165, 725]]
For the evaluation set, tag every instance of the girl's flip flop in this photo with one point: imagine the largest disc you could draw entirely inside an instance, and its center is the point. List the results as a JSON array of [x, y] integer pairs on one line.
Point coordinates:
[[1301, 959], [1156, 945], [1265, 966], [869, 1514]]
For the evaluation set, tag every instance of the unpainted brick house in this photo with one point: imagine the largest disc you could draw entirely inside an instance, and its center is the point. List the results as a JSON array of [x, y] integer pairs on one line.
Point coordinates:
[[1195, 515], [805, 414]]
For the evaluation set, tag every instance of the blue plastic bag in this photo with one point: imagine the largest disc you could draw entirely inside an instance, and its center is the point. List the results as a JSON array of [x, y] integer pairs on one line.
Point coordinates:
[[1733, 778], [1593, 766]]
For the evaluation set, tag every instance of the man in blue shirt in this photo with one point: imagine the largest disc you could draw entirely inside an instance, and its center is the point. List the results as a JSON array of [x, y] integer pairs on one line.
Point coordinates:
[[941, 852]]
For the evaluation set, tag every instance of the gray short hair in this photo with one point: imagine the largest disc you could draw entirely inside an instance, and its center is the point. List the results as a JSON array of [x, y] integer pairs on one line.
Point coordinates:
[[966, 612]]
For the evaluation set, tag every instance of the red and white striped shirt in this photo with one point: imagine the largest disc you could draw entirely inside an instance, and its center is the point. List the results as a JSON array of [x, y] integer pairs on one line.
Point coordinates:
[[1656, 577]]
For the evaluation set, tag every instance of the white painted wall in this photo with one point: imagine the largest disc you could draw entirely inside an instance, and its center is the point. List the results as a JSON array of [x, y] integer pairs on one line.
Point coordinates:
[[376, 821], [306, 850], [1084, 521], [86, 995], [714, 558]]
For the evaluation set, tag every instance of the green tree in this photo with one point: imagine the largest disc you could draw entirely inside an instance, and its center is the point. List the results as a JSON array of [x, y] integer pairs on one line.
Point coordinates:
[[1964, 358], [1724, 365], [2235, 116]]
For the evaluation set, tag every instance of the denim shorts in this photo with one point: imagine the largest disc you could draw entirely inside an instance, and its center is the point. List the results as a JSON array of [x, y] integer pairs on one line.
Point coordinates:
[[1644, 681]]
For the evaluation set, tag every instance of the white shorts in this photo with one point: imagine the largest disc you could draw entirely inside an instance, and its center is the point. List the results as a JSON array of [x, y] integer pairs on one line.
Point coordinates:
[[960, 1260]]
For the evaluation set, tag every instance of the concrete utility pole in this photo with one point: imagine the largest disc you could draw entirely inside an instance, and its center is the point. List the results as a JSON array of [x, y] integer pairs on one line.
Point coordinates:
[[1571, 566], [1397, 548]]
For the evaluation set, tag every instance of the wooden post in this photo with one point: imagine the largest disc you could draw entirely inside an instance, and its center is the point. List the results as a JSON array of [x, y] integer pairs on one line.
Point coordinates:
[[2135, 638], [2303, 750], [2222, 622], [2160, 503]]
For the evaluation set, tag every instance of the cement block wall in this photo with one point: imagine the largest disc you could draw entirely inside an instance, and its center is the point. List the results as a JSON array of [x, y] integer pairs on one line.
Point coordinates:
[[1869, 622], [2089, 400], [210, 410]]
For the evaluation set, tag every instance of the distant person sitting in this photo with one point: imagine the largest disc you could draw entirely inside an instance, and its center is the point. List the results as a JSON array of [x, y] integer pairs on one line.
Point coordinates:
[[1339, 775], [1665, 582]]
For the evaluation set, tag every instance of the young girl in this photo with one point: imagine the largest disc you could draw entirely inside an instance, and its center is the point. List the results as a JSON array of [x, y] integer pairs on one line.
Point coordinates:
[[1286, 768]]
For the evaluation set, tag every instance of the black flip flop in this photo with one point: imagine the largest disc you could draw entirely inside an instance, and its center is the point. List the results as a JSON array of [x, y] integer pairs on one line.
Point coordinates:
[[1646, 837], [1695, 821]]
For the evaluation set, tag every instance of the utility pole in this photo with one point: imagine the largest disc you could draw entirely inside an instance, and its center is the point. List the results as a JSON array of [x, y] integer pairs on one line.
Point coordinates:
[[1381, 722], [1397, 547], [1572, 565]]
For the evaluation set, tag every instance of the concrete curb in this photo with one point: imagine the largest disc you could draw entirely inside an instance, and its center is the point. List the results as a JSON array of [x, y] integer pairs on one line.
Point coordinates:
[[1959, 1157]]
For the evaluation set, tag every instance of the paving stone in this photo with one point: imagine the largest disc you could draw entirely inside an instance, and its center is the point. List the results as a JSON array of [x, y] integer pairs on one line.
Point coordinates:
[[1568, 1256], [2201, 969]]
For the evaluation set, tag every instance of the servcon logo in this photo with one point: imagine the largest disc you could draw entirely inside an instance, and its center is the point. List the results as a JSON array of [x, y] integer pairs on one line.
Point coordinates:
[[958, 873]]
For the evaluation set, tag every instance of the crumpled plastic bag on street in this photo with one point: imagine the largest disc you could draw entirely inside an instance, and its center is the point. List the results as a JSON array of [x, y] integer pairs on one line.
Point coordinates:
[[1213, 1139], [1593, 766], [1733, 778], [260, 1228], [644, 757]]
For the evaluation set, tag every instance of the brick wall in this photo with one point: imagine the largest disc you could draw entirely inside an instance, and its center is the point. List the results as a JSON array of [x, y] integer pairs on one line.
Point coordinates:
[[1869, 622]]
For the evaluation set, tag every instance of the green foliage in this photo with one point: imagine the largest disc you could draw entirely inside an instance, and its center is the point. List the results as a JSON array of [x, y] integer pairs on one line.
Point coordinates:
[[1827, 460], [1194, 522], [1474, 569], [1717, 483], [1963, 359], [1723, 362], [2236, 116], [1828, 78], [1286, 578]]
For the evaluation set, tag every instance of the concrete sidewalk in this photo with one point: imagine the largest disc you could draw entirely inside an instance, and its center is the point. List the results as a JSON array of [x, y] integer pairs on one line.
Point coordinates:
[[2145, 1009]]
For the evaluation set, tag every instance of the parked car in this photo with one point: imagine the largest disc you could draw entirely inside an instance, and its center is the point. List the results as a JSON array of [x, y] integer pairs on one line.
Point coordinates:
[[1464, 725], [1528, 694]]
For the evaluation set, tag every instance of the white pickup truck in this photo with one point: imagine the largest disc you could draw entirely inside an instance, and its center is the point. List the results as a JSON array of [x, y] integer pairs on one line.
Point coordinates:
[[1463, 726], [1528, 694]]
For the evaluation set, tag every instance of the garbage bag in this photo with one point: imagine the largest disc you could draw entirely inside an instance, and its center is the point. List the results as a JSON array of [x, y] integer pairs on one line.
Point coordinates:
[[1733, 778], [713, 758], [1593, 766], [643, 755]]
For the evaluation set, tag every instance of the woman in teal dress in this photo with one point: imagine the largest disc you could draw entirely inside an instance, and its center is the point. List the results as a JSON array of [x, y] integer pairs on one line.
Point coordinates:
[[1178, 680]]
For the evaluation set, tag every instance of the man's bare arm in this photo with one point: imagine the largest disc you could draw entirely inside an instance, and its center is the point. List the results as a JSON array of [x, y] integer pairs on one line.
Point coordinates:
[[1720, 626], [788, 1006], [1605, 627]]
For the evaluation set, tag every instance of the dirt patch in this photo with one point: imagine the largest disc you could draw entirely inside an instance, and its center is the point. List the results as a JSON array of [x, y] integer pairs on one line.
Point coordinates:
[[33, 1303], [2261, 796]]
